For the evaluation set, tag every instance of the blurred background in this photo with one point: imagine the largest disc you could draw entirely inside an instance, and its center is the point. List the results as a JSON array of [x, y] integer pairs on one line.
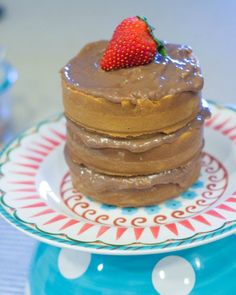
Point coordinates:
[[38, 37]]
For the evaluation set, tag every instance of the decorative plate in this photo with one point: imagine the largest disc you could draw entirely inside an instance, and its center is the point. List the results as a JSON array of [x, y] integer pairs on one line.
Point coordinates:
[[37, 197]]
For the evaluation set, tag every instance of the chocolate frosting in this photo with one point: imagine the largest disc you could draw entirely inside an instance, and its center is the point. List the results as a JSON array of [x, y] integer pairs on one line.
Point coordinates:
[[178, 72], [105, 182], [135, 145]]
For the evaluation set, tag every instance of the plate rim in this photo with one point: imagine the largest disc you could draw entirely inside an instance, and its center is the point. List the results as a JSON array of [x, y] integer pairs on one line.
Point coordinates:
[[100, 247], [90, 247]]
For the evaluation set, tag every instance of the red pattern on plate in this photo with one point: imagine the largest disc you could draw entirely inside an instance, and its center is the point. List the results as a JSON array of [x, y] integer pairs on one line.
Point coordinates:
[[37, 212], [85, 208]]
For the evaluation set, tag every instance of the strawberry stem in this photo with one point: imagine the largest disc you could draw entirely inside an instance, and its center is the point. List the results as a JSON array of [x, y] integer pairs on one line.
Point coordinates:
[[160, 45]]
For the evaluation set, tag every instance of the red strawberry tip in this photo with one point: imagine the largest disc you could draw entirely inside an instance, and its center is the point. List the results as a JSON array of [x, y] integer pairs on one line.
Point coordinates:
[[160, 45], [127, 49]]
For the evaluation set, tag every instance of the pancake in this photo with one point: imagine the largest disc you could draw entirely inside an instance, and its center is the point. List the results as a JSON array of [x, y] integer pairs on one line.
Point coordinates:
[[134, 191], [134, 135], [162, 96], [135, 156]]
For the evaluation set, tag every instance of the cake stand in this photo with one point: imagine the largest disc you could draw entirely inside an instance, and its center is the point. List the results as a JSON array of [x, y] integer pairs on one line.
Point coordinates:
[[182, 246]]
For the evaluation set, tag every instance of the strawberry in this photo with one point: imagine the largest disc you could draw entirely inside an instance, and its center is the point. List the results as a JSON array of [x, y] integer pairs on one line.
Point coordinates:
[[132, 44]]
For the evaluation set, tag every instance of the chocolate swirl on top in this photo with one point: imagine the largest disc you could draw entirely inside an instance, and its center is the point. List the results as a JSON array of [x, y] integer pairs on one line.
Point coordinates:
[[178, 72]]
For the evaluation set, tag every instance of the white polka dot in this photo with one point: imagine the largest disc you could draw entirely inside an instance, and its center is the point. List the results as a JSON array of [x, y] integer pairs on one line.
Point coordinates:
[[72, 264], [100, 267], [173, 275]]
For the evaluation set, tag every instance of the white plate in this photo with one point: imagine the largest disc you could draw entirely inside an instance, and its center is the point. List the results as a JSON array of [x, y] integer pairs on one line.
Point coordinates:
[[37, 197]]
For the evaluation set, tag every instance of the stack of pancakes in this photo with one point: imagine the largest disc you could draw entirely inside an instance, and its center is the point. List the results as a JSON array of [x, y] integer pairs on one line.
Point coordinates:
[[134, 135]]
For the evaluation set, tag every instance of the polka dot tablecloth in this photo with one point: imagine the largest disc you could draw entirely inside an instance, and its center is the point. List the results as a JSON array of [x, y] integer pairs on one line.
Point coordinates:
[[208, 269], [205, 270], [174, 269]]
